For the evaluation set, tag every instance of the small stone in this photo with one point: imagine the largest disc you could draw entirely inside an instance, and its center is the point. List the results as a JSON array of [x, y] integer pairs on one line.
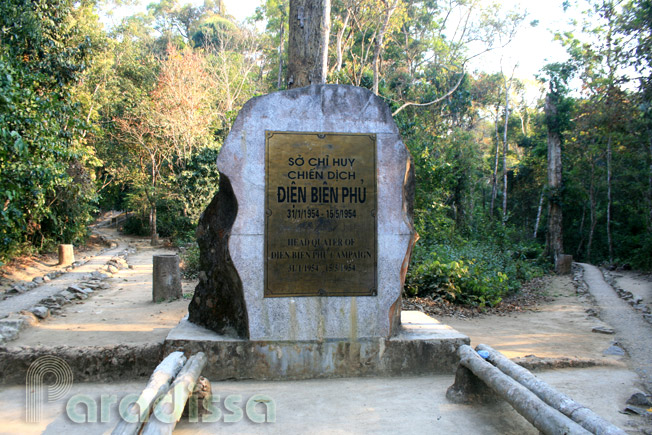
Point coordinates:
[[90, 284], [37, 280], [111, 268], [75, 289], [631, 409], [13, 322], [131, 266], [602, 330], [99, 275], [40, 311], [614, 349], [29, 318], [46, 278], [8, 333], [640, 399]]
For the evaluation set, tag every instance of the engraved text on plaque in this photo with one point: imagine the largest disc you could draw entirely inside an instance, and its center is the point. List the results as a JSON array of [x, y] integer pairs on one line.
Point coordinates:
[[320, 221]]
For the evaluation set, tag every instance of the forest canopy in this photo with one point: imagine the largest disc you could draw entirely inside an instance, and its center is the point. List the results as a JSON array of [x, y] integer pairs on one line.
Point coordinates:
[[131, 117]]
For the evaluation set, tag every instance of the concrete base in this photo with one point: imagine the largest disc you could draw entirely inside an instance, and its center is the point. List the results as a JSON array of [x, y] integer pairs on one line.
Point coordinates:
[[422, 346]]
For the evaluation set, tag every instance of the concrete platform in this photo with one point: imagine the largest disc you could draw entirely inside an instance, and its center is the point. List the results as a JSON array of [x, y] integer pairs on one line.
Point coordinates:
[[422, 346], [407, 405]]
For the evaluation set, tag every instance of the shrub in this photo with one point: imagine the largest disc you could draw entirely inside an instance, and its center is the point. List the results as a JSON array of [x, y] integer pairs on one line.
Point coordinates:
[[190, 261], [473, 273]]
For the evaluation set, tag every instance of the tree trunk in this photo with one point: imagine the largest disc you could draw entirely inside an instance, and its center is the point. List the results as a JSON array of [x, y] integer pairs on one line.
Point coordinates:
[[279, 81], [555, 238], [536, 224], [581, 232], [649, 192], [609, 240], [152, 205], [380, 40], [309, 27], [494, 179], [340, 36], [505, 147], [592, 204], [152, 224]]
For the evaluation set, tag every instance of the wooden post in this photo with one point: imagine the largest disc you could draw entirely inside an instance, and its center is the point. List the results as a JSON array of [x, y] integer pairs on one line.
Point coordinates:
[[158, 385], [543, 417], [166, 282], [578, 413], [66, 255], [169, 409]]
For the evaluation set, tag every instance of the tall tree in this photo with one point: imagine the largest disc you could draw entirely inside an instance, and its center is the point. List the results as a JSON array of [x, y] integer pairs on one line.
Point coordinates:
[[309, 28], [168, 125], [557, 108]]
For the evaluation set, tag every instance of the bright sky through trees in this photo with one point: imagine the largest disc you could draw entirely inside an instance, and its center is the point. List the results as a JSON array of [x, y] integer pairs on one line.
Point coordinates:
[[532, 48]]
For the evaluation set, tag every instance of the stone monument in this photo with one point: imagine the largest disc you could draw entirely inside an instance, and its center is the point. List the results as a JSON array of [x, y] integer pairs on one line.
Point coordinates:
[[305, 248]]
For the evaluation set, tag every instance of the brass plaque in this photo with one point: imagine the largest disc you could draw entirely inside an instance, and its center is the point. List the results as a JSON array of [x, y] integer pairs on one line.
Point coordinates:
[[320, 220]]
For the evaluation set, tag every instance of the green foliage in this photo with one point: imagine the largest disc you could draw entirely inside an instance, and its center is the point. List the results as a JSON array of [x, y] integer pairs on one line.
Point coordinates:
[[46, 191], [190, 260], [136, 225], [475, 269], [187, 194]]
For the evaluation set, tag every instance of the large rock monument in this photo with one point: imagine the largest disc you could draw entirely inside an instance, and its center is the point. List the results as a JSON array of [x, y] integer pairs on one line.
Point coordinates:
[[304, 249]]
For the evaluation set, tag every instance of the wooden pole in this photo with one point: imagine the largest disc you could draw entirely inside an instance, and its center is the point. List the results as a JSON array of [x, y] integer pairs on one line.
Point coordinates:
[[169, 409], [577, 412], [543, 417], [158, 385], [66, 255]]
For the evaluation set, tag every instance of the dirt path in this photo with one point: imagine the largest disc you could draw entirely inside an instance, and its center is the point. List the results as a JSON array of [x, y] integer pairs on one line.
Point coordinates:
[[557, 335], [634, 333], [639, 284], [122, 314], [557, 329], [28, 299], [23, 269]]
